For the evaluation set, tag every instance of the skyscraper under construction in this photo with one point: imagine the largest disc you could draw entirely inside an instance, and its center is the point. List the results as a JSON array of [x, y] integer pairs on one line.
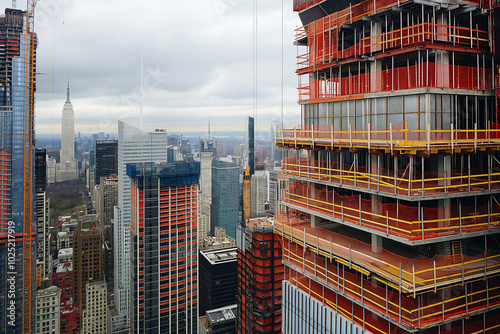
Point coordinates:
[[390, 216], [17, 223]]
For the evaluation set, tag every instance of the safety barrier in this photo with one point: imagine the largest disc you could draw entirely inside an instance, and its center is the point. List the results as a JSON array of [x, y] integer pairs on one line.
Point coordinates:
[[411, 223], [400, 182], [411, 311], [394, 138], [422, 75], [409, 275]]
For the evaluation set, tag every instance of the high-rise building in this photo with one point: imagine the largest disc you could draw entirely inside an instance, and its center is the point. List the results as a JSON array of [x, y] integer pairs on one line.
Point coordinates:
[[164, 247], [208, 151], [276, 152], [40, 169], [63, 279], [204, 204], [17, 208], [225, 197], [260, 275], [251, 145], [134, 146], [106, 159], [258, 194], [389, 216], [67, 168], [88, 261], [94, 317], [48, 310], [218, 280], [43, 258], [109, 198]]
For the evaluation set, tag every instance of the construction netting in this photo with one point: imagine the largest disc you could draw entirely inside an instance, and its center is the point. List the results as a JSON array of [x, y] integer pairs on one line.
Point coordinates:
[[381, 304], [410, 274], [323, 44], [401, 181], [427, 74], [412, 223]]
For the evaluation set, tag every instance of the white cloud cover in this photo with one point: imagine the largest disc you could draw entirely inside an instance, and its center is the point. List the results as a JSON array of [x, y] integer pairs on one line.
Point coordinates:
[[198, 63]]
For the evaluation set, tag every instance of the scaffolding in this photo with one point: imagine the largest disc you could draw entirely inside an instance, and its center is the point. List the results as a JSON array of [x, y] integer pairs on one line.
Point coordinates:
[[394, 173], [415, 293]]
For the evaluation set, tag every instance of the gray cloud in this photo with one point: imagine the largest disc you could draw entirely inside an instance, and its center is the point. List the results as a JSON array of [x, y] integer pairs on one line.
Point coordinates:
[[200, 49]]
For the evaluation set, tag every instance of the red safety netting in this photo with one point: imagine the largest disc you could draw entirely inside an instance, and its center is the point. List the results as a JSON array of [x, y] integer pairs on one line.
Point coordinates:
[[415, 273], [401, 182], [403, 221], [417, 311], [376, 323], [322, 37], [426, 74]]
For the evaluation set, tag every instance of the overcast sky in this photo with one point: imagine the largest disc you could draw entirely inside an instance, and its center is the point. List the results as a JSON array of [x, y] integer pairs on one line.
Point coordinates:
[[197, 55]]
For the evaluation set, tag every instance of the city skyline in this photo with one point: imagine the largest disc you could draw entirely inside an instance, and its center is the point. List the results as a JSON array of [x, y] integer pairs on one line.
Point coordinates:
[[192, 70]]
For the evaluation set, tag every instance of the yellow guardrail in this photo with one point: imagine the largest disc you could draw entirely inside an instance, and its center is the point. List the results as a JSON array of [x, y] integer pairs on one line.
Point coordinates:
[[410, 232], [386, 180], [410, 317], [460, 267]]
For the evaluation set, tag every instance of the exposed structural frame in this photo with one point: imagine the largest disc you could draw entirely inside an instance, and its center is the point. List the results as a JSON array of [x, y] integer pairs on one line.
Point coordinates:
[[29, 105], [390, 215]]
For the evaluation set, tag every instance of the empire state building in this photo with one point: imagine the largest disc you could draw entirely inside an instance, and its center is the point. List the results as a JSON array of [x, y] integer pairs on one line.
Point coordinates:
[[67, 168]]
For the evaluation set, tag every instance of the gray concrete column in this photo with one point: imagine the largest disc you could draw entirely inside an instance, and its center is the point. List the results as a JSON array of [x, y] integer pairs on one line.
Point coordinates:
[[377, 244]]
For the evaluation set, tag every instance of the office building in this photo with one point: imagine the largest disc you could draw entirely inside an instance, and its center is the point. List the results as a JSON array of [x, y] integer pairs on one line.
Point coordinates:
[[43, 257], [63, 279], [88, 261], [221, 320], [389, 214], [67, 168], [108, 197], [218, 278], [258, 194], [251, 144], [95, 315], [106, 159], [204, 204], [260, 275], [134, 146], [17, 208], [48, 310], [225, 197], [164, 247], [40, 169], [208, 152]]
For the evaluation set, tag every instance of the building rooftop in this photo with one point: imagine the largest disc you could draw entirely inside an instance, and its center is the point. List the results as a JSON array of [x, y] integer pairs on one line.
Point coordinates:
[[63, 234], [220, 255], [222, 314], [64, 268], [263, 222], [65, 252]]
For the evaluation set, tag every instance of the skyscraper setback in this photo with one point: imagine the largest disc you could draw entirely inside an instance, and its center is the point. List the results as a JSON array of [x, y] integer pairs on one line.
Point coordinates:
[[17, 224], [390, 216]]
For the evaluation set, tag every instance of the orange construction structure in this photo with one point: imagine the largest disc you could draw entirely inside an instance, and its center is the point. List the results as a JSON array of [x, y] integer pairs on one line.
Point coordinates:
[[260, 273], [390, 216]]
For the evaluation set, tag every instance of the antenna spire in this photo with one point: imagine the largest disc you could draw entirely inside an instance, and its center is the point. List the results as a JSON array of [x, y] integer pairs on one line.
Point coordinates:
[[68, 93]]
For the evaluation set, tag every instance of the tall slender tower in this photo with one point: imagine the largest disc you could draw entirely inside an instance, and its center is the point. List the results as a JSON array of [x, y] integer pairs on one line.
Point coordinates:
[[17, 222], [67, 167], [134, 146], [390, 216], [164, 247]]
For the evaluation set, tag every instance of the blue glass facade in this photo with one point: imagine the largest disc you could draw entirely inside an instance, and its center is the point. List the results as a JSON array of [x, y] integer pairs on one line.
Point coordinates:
[[225, 197], [16, 122]]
